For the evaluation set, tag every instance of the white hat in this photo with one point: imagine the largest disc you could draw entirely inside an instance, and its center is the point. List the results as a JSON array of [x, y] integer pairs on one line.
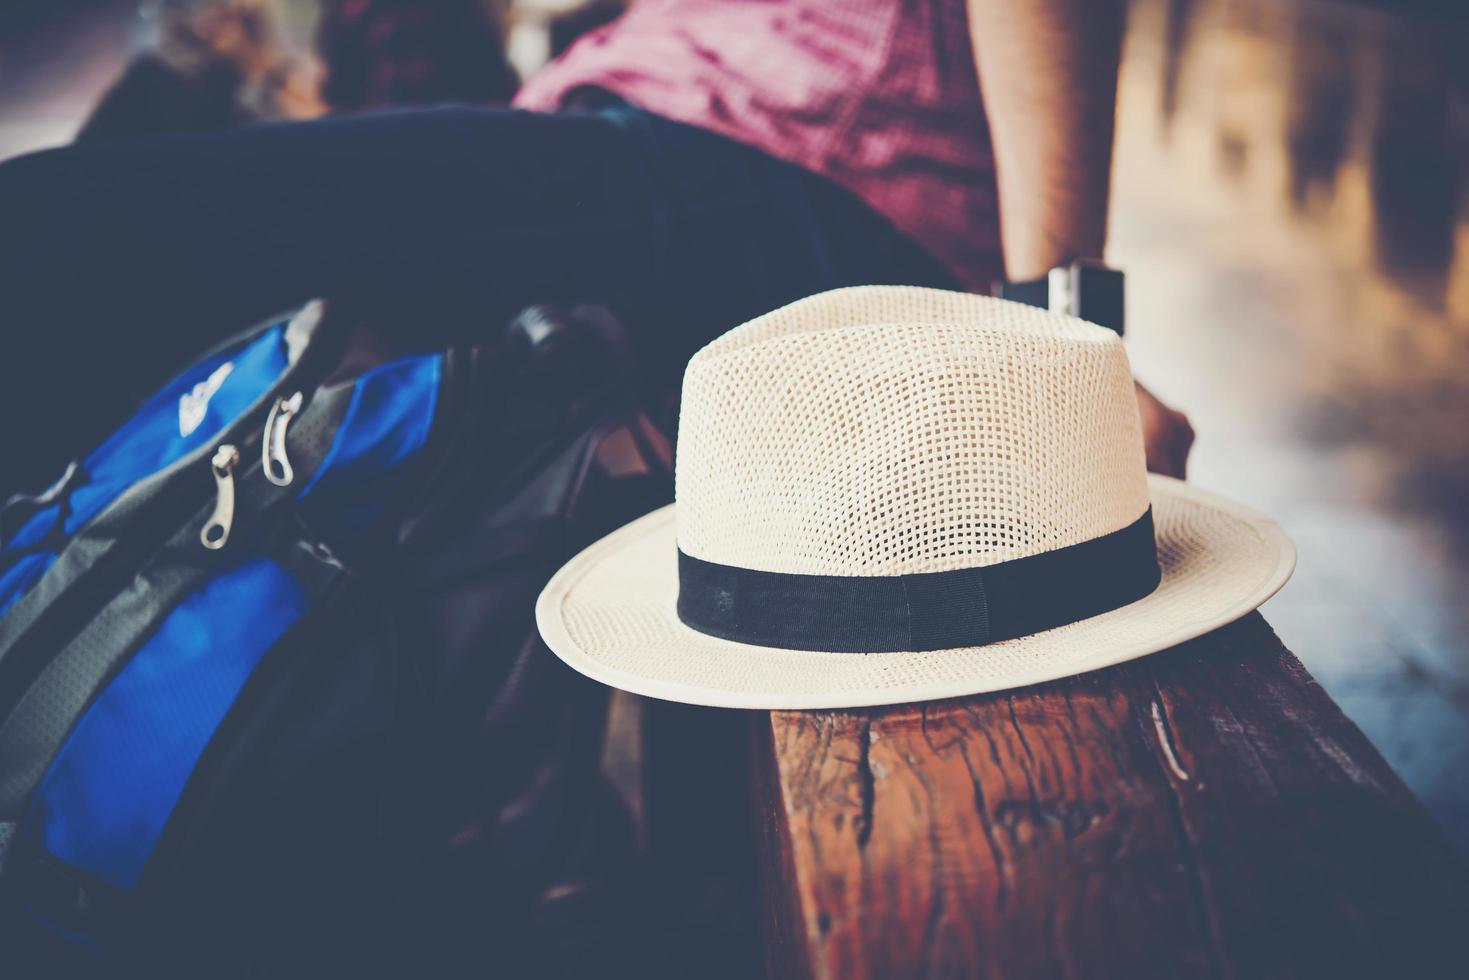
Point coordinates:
[[890, 494]]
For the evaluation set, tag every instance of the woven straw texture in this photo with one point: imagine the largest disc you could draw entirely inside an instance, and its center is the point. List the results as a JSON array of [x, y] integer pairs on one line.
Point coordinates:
[[610, 614], [884, 431]]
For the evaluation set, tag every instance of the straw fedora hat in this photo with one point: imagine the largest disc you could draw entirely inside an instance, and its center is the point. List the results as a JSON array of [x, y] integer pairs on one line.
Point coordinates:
[[889, 494]]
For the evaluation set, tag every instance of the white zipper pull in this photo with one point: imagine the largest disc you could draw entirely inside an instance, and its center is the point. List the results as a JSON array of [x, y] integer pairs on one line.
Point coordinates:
[[274, 461], [216, 530]]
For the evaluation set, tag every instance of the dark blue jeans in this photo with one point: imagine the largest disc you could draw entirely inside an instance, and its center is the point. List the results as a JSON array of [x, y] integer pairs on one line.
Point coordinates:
[[119, 260]]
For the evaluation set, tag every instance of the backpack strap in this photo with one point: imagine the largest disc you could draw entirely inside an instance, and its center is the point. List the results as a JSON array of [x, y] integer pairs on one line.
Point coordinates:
[[20, 508]]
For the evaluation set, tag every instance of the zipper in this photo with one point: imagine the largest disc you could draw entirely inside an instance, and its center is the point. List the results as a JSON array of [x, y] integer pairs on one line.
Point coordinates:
[[275, 463], [216, 530], [98, 584], [273, 458], [29, 652]]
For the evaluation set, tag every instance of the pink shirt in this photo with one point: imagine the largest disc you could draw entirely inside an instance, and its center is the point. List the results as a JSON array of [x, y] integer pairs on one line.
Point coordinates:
[[878, 95]]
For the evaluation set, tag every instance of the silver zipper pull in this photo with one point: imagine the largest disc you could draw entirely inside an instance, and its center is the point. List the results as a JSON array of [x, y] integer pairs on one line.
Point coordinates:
[[274, 461], [217, 529]]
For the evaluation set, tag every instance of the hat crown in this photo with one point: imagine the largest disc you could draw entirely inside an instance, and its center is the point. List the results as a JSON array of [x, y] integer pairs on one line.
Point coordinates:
[[898, 430]]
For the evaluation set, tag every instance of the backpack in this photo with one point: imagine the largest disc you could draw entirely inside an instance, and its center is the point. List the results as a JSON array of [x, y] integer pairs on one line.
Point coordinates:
[[272, 700]]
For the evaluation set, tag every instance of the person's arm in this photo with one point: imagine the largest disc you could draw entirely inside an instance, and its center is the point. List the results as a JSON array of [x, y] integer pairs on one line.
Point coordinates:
[[1048, 77]]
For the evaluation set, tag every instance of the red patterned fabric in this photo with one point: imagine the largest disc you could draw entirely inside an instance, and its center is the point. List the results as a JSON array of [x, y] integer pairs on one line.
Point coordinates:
[[880, 96]]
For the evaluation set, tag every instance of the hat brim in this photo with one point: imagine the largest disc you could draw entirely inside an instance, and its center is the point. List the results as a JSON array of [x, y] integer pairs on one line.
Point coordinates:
[[610, 614]]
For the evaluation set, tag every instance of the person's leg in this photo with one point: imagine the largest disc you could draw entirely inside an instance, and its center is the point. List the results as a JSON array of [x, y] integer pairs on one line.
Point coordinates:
[[740, 233], [119, 260]]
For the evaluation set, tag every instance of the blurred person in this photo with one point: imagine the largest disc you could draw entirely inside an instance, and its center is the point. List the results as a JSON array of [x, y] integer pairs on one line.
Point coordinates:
[[211, 64], [691, 165], [380, 53]]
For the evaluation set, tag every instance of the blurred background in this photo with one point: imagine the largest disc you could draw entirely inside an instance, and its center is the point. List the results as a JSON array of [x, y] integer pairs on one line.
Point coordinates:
[[1289, 205]]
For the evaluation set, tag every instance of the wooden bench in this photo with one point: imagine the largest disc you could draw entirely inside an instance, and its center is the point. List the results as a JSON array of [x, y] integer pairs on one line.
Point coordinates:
[[1204, 812]]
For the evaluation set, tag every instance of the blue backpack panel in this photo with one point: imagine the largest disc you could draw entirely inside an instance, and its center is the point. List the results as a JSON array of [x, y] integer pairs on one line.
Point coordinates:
[[253, 643]]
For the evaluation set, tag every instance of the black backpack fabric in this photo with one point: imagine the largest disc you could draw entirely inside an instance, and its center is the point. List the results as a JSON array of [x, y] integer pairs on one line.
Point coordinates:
[[272, 700]]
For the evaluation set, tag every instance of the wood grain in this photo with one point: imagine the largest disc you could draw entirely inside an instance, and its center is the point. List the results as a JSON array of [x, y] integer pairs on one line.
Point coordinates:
[[1204, 812]]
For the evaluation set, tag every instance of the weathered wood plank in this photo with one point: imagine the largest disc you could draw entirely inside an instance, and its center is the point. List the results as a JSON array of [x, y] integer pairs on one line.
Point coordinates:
[[1207, 811]]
